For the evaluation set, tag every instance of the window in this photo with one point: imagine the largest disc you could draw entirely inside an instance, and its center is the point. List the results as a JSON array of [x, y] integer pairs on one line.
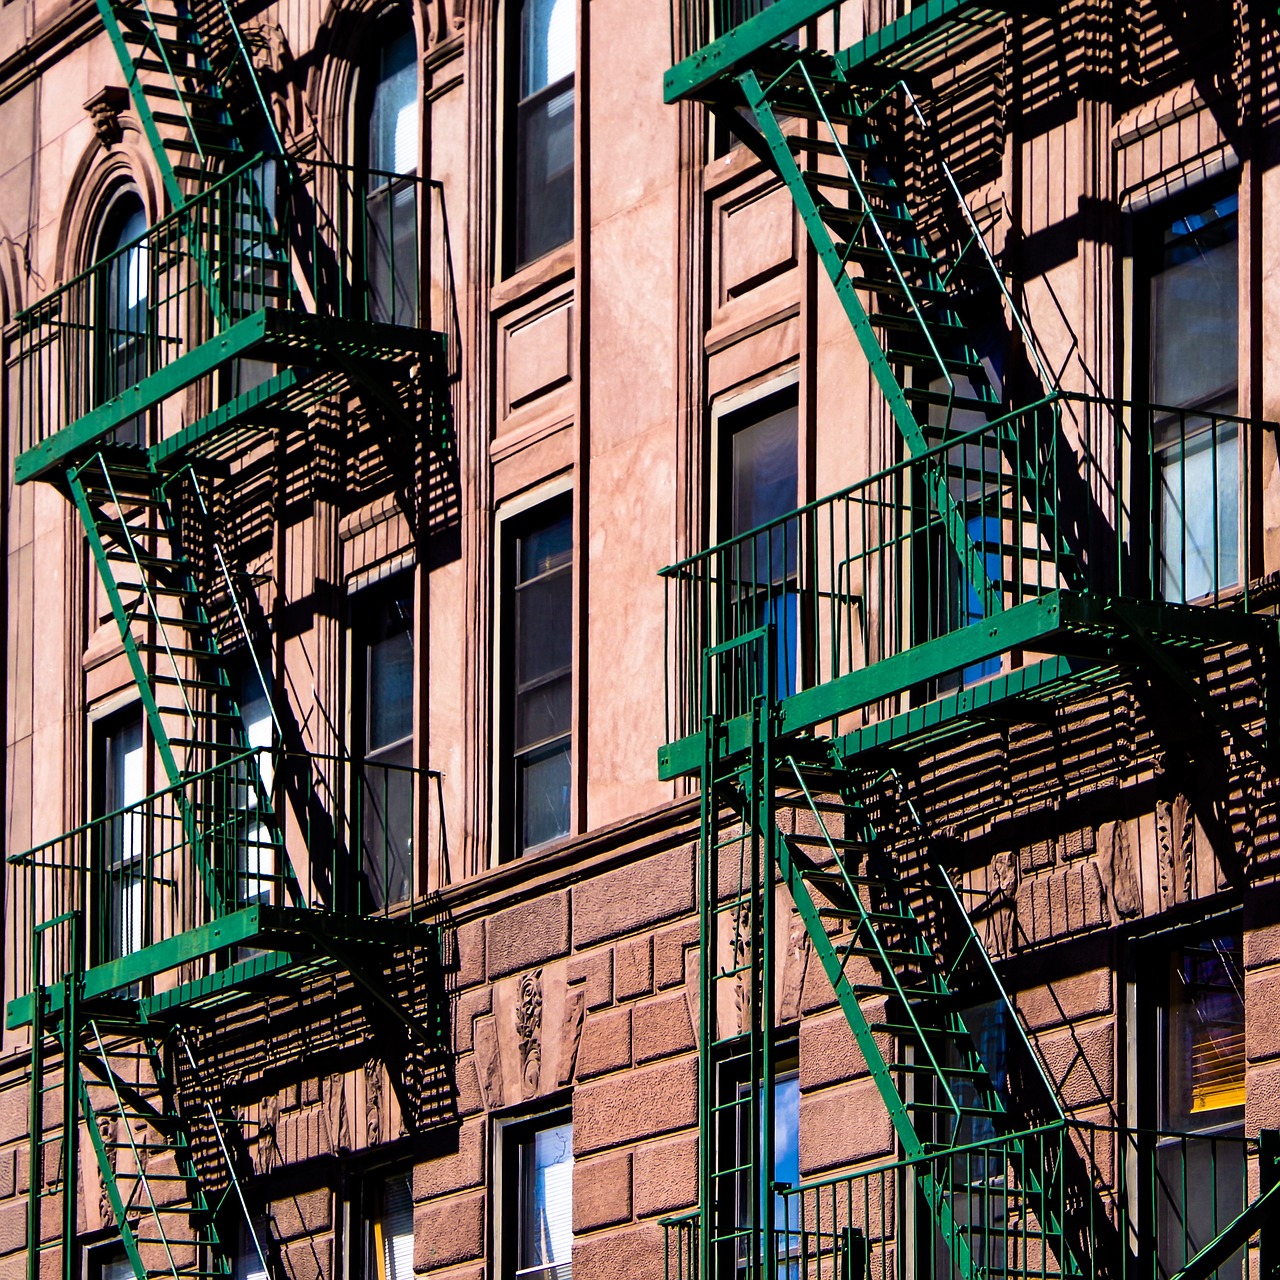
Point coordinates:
[[760, 487], [123, 307], [120, 781], [1193, 365], [389, 1230], [539, 640], [740, 1135], [537, 1173], [384, 785], [543, 37], [391, 210], [256, 855], [1200, 1064]]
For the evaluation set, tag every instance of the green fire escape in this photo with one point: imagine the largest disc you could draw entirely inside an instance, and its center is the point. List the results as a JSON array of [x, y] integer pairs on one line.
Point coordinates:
[[989, 574], [274, 282]]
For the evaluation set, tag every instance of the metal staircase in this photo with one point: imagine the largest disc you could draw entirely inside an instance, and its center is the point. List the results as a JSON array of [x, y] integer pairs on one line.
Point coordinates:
[[257, 296], [907, 606]]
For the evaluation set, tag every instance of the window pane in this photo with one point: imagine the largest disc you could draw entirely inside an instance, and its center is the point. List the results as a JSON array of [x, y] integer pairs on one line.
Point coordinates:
[[544, 173], [544, 782], [395, 1231], [1207, 1013], [764, 471], [1194, 306], [546, 1204], [544, 712], [386, 816], [544, 620], [546, 44], [390, 690], [393, 124], [1199, 481], [545, 548]]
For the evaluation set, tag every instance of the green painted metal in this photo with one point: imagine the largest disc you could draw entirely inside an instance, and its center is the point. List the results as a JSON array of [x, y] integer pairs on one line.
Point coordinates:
[[700, 74], [922, 22]]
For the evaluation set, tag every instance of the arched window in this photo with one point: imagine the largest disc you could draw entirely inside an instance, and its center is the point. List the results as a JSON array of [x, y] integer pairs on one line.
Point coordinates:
[[123, 305], [391, 206], [543, 38]]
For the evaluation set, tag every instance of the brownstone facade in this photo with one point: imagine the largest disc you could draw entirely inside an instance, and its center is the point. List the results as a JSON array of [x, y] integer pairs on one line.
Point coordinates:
[[603, 378]]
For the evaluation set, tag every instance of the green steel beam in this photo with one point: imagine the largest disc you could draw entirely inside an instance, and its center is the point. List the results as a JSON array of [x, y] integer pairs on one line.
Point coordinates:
[[217, 983], [74, 440], [232, 414], [1233, 1237], [235, 929], [1027, 625], [1043, 678], [920, 22], [693, 77]]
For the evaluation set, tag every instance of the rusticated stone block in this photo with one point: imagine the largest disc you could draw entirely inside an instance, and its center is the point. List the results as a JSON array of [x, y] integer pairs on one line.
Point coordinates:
[[637, 1251], [469, 953], [467, 1087], [661, 1028], [1080, 995], [304, 1214], [453, 1170], [1262, 1014], [448, 1231], [647, 1102], [605, 1044], [828, 1052], [601, 1192], [467, 1007], [843, 1125], [1262, 1101], [527, 934], [594, 971], [669, 949], [14, 1115], [665, 1176], [1080, 1063], [633, 968], [8, 1173], [310, 1259], [13, 1227], [633, 897]]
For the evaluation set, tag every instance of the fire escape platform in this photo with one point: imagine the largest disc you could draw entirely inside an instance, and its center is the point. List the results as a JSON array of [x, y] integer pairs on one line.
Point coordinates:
[[1086, 638], [292, 939], [897, 48], [315, 352]]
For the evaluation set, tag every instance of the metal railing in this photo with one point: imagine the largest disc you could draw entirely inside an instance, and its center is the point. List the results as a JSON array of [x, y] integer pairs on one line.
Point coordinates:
[[1144, 501], [277, 233], [1070, 1198], [324, 832]]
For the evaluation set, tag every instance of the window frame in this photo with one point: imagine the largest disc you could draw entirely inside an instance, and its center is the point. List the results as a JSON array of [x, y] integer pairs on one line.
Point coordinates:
[[367, 610], [511, 1136], [104, 943], [513, 256], [1148, 229], [536, 510], [390, 28], [730, 421]]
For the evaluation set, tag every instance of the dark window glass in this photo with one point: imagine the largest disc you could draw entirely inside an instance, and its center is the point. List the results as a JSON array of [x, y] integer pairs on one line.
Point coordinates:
[[761, 486], [121, 888], [1201, 1057], [385, 787], [542, 644], [391, 201], [544, 114], [1194, 345], [544, 1228], [389, 1230], [124, 308]]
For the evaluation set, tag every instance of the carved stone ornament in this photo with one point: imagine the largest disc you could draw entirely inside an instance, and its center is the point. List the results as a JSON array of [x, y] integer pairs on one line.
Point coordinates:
[[104, 110], [529, 1030]]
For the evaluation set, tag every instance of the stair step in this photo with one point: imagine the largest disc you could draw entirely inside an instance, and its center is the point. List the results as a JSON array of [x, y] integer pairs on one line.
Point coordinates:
[[992, 408]]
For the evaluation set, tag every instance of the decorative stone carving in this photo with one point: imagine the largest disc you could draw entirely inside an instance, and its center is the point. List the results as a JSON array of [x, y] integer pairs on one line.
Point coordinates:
[[106, 1130], [104, 110], [570, 1035], [1175, 841], [268, 1153], [794, 965], [489, 1061], [273, 61], [373, 1101], [1119, 875], [529, 1030], [333, 1107]]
